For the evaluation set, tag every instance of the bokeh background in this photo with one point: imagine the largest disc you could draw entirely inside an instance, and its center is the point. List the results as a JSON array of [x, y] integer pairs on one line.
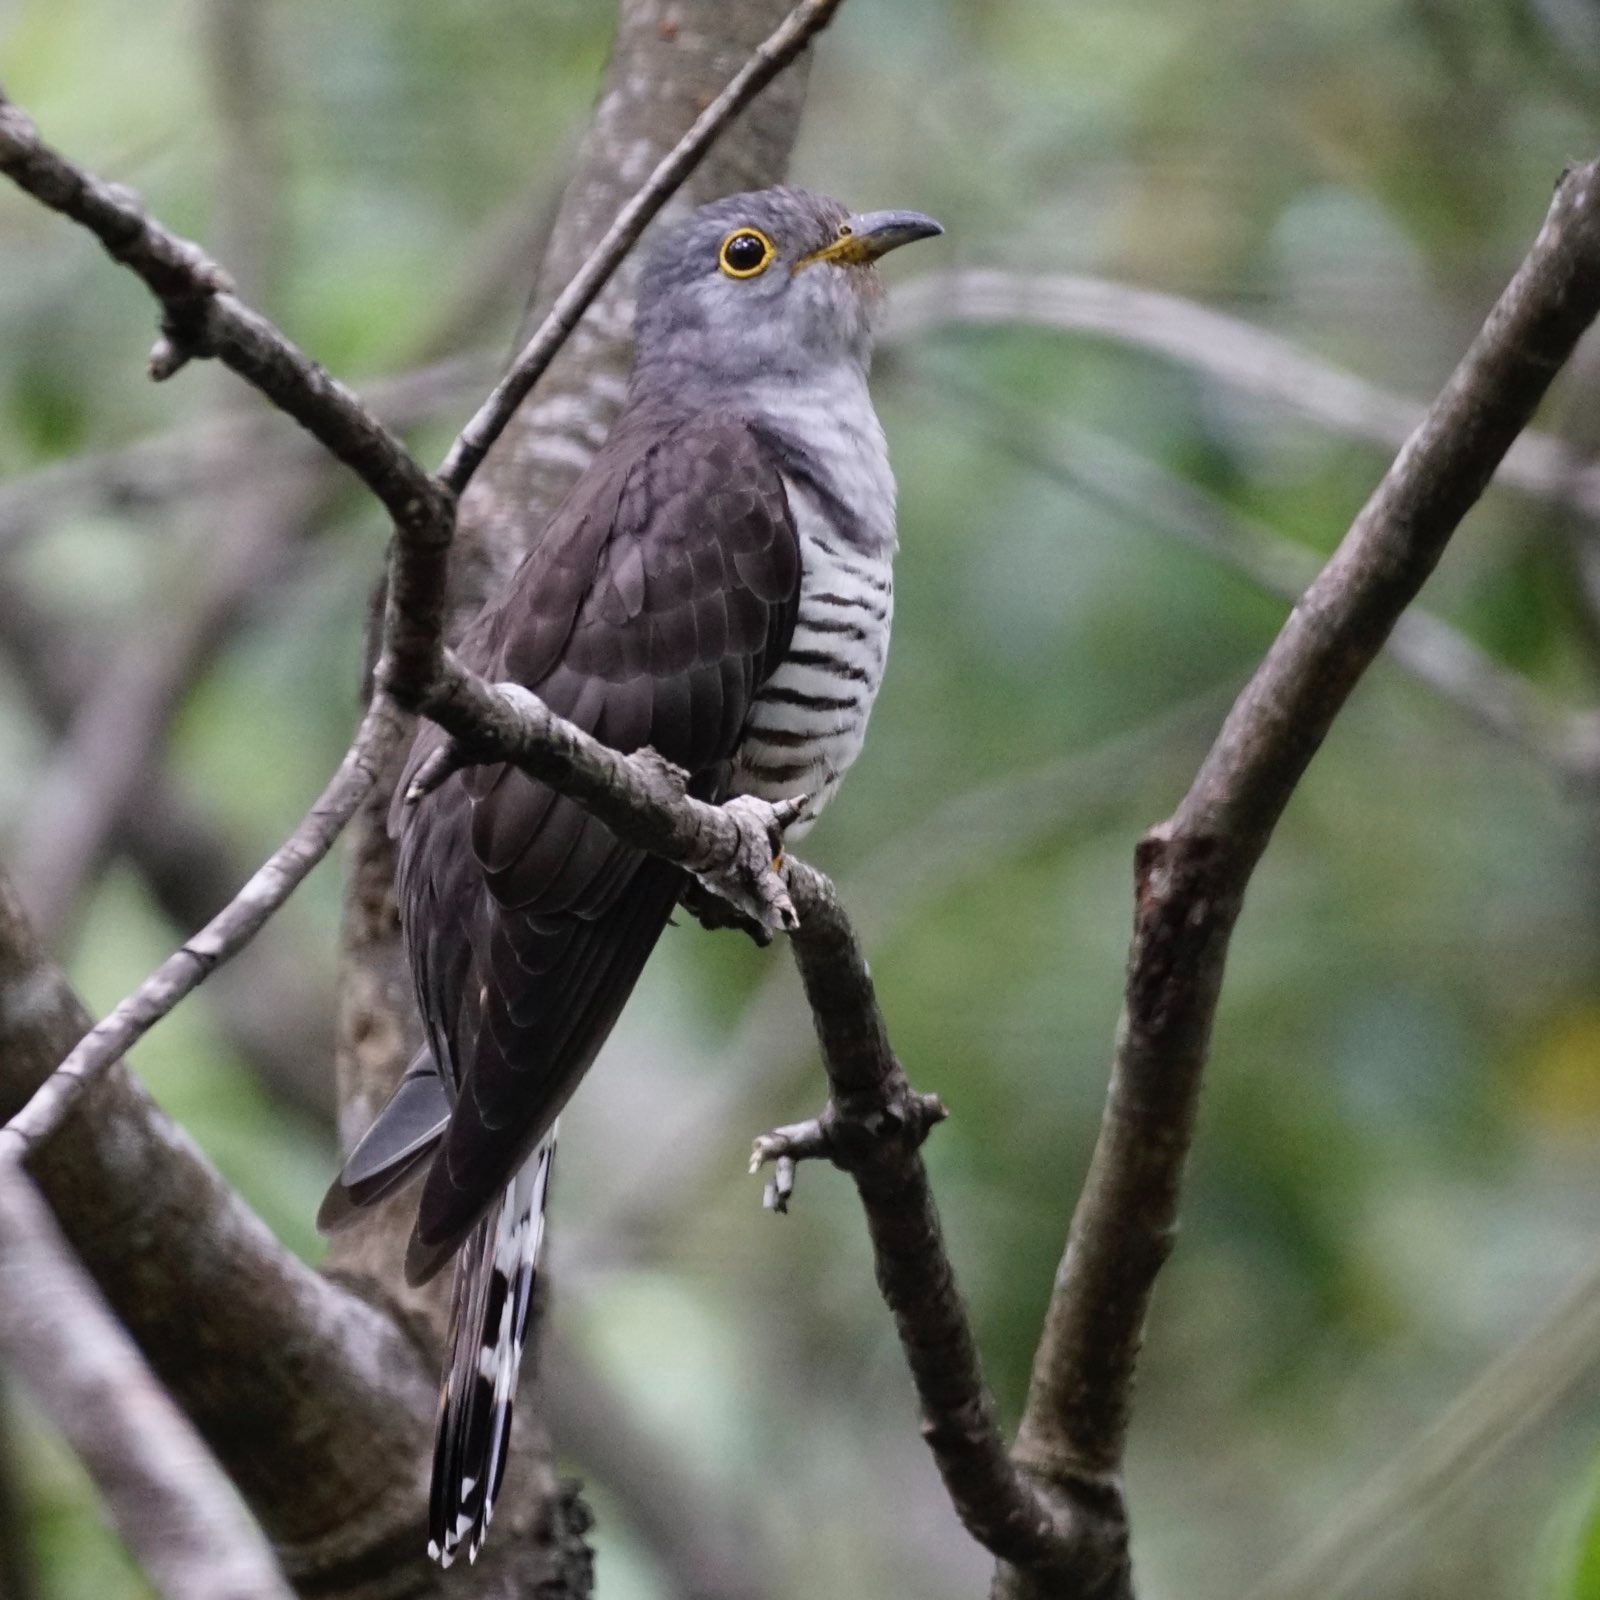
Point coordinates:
[[1396, 1179]]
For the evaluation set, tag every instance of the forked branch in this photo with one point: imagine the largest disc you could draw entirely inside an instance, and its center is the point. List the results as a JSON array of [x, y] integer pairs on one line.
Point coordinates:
[[639, 797], [203, 317], [1052, 1509], [1192, 870]]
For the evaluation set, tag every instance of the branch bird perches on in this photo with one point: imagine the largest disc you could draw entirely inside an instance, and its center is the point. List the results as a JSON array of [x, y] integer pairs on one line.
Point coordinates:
[[1052, 1510]]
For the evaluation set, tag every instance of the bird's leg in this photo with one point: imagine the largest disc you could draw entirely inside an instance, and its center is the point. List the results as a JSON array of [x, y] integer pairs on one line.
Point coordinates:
[[846, 1142], [748, 878], [783, 1148]]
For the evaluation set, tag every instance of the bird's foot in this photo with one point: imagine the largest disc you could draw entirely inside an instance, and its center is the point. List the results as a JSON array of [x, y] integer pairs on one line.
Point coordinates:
[[750, 880], [783, 1149], [846, 1142]]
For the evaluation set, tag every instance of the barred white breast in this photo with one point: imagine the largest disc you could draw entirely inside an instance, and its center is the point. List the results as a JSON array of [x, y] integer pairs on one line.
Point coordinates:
[[808, 722]]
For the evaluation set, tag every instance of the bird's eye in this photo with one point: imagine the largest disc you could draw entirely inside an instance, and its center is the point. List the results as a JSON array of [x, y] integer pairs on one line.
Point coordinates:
[[746, 253]]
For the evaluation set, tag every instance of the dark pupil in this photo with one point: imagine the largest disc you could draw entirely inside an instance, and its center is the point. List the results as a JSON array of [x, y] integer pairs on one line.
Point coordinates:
[[745, 252]]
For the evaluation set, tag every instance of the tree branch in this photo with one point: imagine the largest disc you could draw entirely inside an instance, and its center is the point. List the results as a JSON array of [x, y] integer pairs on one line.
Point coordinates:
[[170, 1502], [314, 1403], [770, 57], [1192, 870], [1516, 1392], [229, 931], [1222, 347], [1497, 699], [875, 1123]]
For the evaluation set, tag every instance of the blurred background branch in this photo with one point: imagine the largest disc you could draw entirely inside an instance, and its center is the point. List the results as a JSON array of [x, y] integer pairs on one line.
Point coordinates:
[[18, 1561], [273, 1009], [1191, 872], [1501, 702], [1401, 1125], [167, 1496], [1516, 1393], [1224, 349]]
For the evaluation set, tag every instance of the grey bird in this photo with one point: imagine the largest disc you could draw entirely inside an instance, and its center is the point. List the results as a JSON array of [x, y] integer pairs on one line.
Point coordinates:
[[718, 585]]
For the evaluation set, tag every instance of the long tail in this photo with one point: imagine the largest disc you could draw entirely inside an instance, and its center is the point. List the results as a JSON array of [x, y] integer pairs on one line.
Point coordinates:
[[493, 1291]]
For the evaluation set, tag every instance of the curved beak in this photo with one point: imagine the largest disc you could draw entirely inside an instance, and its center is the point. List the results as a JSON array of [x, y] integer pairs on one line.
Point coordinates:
[[871, 234]]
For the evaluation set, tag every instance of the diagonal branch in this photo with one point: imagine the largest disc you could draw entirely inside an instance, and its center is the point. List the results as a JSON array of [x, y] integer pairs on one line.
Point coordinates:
[[768, 60], [1192, 871], [228, 932], [336, 1391], [1222, 347], [203, 317], [1498, 699], [168, 1498], [97, 778], [277, 1014]]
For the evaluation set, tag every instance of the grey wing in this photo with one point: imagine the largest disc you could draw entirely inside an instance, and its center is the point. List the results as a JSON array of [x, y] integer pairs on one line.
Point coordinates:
[[650, 615]]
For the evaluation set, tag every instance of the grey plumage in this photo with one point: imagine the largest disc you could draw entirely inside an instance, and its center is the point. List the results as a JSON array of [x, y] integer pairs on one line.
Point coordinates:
[[718, 586]]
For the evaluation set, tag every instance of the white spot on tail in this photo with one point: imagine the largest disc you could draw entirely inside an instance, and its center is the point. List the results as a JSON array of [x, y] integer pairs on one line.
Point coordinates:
[[510, 1263]]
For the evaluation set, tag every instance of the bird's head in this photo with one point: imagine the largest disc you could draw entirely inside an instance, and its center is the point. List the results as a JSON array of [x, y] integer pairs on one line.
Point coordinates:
[[775, 283]]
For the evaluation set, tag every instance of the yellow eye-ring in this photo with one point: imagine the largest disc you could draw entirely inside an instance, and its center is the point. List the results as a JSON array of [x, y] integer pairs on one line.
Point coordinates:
[[746, 253]]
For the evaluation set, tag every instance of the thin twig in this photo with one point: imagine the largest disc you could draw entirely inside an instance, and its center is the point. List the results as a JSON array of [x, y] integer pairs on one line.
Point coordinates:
[[168, 1497], [228, 932], [275, 1010], [1495, 697], [1515, 1393], [874, 1125], [1222, 347], [1192, 870], [414, 619], [769, 59]]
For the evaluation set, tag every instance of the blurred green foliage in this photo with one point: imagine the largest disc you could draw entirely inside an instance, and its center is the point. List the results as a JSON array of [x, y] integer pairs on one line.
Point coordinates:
[[1396, 1172]]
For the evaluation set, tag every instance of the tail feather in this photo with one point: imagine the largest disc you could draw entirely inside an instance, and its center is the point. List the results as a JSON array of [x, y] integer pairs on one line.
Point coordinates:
[[490, 1303], [394, 1150]]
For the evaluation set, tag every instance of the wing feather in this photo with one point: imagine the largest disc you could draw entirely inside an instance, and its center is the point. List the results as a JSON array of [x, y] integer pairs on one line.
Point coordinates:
[[660, 599]]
